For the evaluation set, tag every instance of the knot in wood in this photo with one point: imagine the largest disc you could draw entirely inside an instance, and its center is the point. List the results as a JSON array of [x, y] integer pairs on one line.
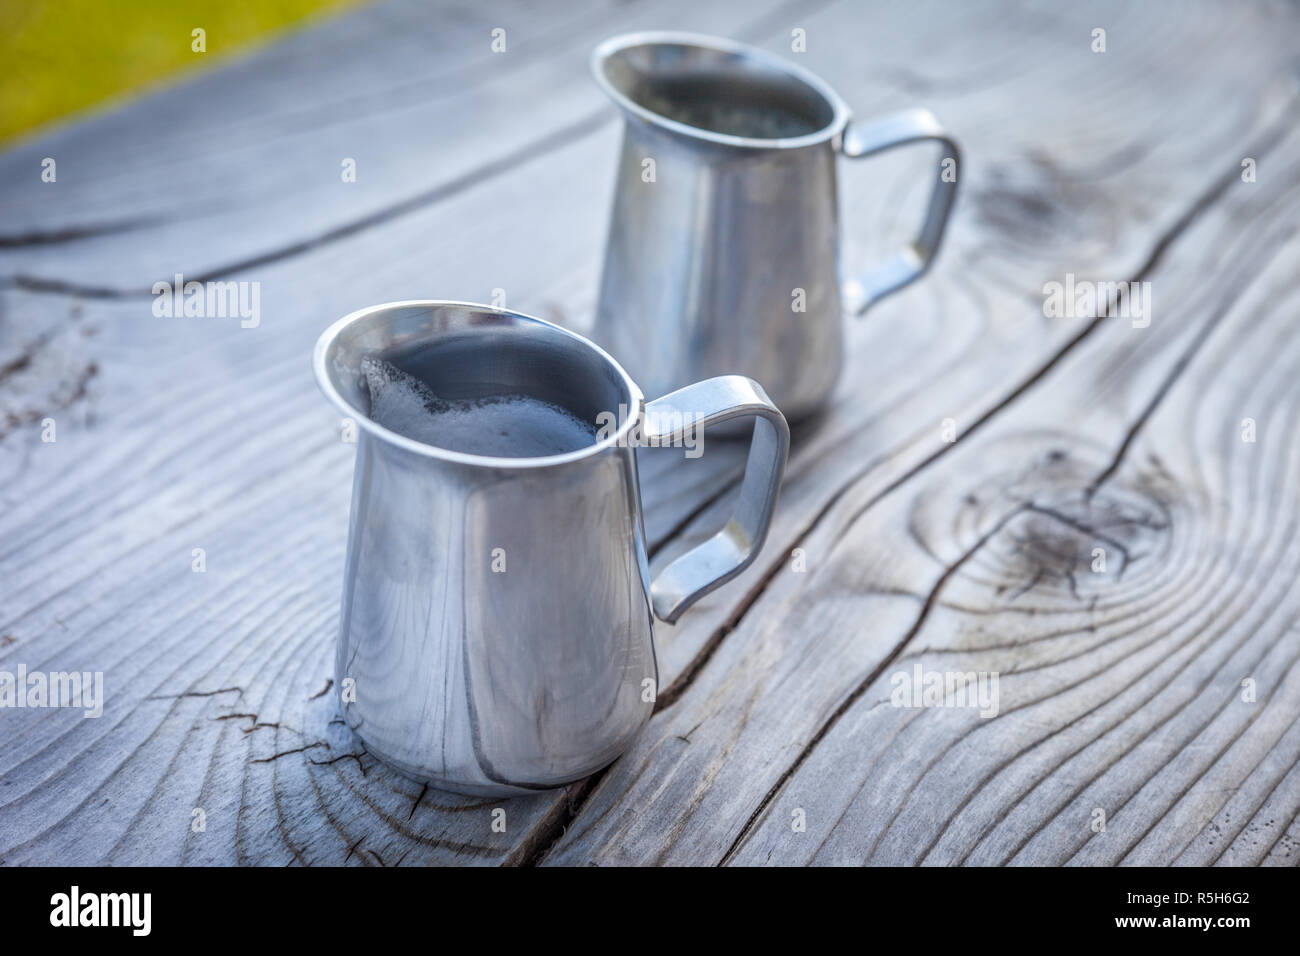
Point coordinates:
[[1053, 532]]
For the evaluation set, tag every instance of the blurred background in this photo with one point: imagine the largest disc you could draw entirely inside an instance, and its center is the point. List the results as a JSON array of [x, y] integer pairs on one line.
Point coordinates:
[[66, 55]]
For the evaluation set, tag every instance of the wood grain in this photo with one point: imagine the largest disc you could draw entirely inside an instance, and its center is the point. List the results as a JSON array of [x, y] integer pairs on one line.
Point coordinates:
[[175, 435], [712, 764], [204, 435]]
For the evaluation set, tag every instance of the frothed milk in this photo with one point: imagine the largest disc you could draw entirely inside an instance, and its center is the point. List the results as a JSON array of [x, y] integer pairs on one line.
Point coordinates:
[[503, 426]]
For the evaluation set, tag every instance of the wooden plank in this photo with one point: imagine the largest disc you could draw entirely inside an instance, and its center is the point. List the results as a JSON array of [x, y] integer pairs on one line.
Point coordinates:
[[1115, 685], [215, 436], [1118, 690], [768, 694], [201, 435]]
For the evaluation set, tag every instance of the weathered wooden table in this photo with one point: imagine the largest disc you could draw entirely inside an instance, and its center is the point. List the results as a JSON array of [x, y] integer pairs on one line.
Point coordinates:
[[1148, 700]]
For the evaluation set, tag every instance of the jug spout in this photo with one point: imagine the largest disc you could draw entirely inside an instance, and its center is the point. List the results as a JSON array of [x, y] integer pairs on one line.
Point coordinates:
[[713, 91]]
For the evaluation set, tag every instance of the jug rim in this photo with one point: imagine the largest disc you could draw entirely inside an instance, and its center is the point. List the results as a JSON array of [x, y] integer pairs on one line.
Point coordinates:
[[616, 44], [324, 380]]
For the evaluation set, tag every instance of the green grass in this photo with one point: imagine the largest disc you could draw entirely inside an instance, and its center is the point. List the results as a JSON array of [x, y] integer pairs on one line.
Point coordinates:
[[61, 56]]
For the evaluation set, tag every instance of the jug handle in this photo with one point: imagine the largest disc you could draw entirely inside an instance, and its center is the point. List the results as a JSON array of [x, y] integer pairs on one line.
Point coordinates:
[[712, 563], [867, 139]]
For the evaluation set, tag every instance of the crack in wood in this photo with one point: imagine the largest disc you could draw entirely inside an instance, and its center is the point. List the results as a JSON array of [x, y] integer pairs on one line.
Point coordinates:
[[551, 829], [847, 703], [1182, 363], [197, 693], [554, 140], [360, 766], [288, 753], [54, 237]]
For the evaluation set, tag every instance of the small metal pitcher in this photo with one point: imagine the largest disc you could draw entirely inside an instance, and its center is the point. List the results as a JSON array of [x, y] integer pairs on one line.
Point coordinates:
[[497, 614], [723, 247]]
